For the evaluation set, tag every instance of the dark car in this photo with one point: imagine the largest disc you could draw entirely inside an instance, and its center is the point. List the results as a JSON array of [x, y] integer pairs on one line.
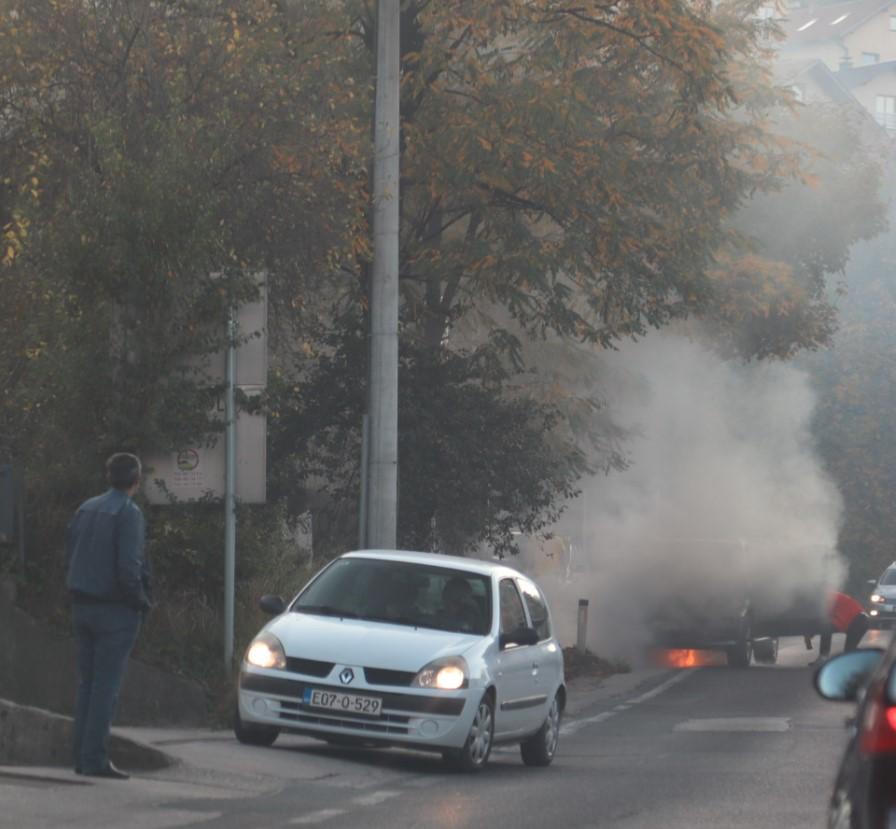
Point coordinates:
[[882, 609], [864, 794]]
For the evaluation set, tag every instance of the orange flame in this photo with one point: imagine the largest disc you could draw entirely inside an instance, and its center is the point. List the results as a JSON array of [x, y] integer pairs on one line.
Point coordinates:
[[686, 658]]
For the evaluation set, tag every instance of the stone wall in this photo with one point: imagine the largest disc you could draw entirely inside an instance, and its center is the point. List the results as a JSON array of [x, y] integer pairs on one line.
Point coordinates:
[[38, 668]]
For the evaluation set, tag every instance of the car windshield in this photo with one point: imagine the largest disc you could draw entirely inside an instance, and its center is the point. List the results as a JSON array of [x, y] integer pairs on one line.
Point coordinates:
[[889, 578], [401, 593]]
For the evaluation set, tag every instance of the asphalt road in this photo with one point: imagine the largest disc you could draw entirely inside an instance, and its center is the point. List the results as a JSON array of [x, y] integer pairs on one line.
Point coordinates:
[[712, 747]]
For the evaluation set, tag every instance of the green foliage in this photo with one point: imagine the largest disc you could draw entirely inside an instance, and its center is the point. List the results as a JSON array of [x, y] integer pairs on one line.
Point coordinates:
[[571, 176], [185, 632], [855, 425], [479, 460], [156, 158]]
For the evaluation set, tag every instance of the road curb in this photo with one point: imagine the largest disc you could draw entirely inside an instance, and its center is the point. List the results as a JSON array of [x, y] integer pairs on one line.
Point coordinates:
[[35, 737]]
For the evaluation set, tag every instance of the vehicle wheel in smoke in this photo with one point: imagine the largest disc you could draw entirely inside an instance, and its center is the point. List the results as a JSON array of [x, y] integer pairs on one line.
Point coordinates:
[[765, 650], [741, 654]]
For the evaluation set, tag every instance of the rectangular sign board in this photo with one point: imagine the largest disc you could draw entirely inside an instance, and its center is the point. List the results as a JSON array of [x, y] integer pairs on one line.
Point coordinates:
[[198, 471]]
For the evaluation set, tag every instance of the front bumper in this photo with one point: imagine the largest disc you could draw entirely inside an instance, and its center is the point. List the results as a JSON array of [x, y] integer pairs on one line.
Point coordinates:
[[410, 716]]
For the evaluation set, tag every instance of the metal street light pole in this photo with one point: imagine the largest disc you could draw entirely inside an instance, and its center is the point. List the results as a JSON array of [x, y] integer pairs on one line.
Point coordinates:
[[382, 498], [230, 490]]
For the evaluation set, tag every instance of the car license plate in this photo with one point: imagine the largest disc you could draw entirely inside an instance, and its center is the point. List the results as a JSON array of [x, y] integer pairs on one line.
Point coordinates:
[[347, 703]]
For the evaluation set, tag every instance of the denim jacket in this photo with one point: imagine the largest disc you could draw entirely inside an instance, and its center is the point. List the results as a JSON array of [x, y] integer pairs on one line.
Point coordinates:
[[104, 556]]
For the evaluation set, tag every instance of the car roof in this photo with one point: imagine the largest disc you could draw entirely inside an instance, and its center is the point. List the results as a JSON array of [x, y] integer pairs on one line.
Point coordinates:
[[473, 565]]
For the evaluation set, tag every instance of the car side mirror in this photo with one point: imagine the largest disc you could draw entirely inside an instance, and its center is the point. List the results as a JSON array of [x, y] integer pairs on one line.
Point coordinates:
[[842, 678], [521, 636], [271, 604]]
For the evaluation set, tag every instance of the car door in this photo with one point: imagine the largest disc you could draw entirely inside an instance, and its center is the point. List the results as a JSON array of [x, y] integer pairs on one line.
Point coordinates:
[[514, 680], [547, 661]]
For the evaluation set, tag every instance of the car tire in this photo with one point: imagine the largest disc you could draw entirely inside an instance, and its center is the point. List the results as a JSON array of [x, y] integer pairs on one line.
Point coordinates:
[[766, 650], [253, 734], [540, 748], [740, 654], [478, 745]]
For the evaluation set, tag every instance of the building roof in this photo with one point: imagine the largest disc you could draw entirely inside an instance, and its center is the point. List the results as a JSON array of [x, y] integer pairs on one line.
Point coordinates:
[[854, 76], [789, 72], [828, 21]]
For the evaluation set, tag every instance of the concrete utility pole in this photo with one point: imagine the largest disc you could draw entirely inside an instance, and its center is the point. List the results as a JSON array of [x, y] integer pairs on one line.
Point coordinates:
[[383, 472]]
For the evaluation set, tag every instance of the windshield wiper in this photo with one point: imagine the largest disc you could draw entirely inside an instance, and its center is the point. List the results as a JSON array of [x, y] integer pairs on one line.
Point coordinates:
[[392, 620], [326, 610]]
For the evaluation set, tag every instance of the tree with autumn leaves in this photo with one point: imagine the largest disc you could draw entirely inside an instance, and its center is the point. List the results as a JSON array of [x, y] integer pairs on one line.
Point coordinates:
[[155, 158], [572, 174]]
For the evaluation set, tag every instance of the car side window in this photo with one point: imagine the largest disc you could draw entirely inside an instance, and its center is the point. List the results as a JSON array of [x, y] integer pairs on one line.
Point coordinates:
[[538, 609], [513, 617]]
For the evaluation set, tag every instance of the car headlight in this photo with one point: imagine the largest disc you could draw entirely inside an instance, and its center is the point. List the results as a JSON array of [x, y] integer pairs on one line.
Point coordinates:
[[265, 651], [447, 674], [876, 598]]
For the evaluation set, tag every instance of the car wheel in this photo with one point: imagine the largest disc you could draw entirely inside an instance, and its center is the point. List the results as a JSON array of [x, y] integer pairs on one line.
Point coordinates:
[[740, 655], [540, 748], [766, 650], [253, 734], [474, 755]]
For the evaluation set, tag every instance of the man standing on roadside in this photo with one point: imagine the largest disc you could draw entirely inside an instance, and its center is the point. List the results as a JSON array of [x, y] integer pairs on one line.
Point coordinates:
[[108, 579]]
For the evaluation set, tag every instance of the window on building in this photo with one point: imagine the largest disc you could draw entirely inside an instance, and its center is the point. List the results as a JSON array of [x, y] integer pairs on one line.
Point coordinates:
[[868, 58], [893, 22], [885, 111]]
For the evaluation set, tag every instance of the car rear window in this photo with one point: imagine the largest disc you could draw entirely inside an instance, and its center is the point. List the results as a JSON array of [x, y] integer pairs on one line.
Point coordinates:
[[401, 593]]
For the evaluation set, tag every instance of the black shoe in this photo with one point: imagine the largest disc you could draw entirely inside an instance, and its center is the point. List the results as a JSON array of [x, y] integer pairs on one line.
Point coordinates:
[[110, 771]]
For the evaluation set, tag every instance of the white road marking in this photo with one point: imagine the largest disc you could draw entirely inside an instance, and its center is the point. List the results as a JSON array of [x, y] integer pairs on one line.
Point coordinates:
[[374, 798], [317, 817], [655, 692], [572, 726], [731, 724]]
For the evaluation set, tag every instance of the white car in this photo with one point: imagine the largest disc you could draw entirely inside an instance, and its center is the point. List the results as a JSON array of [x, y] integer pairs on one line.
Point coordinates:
[[408, 649]]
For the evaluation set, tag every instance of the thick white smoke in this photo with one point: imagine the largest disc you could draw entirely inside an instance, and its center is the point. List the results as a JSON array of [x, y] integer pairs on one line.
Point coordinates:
[[724, 495]]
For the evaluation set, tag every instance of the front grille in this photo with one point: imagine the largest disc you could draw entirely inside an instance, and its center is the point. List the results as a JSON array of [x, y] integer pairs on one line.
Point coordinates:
[[309, 667], [384, 676], [294, 690], [293, 712]]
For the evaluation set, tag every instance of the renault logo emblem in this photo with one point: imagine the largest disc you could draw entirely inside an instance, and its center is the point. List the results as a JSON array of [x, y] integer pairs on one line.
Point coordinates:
[[346, 676]]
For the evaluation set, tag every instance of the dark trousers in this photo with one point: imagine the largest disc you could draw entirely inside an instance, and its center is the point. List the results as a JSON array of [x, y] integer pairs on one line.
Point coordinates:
[[105, 633], [858, 627]]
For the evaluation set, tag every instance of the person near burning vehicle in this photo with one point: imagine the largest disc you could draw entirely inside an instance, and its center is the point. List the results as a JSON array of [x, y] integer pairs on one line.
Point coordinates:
[[108, 579], [845, 615]]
